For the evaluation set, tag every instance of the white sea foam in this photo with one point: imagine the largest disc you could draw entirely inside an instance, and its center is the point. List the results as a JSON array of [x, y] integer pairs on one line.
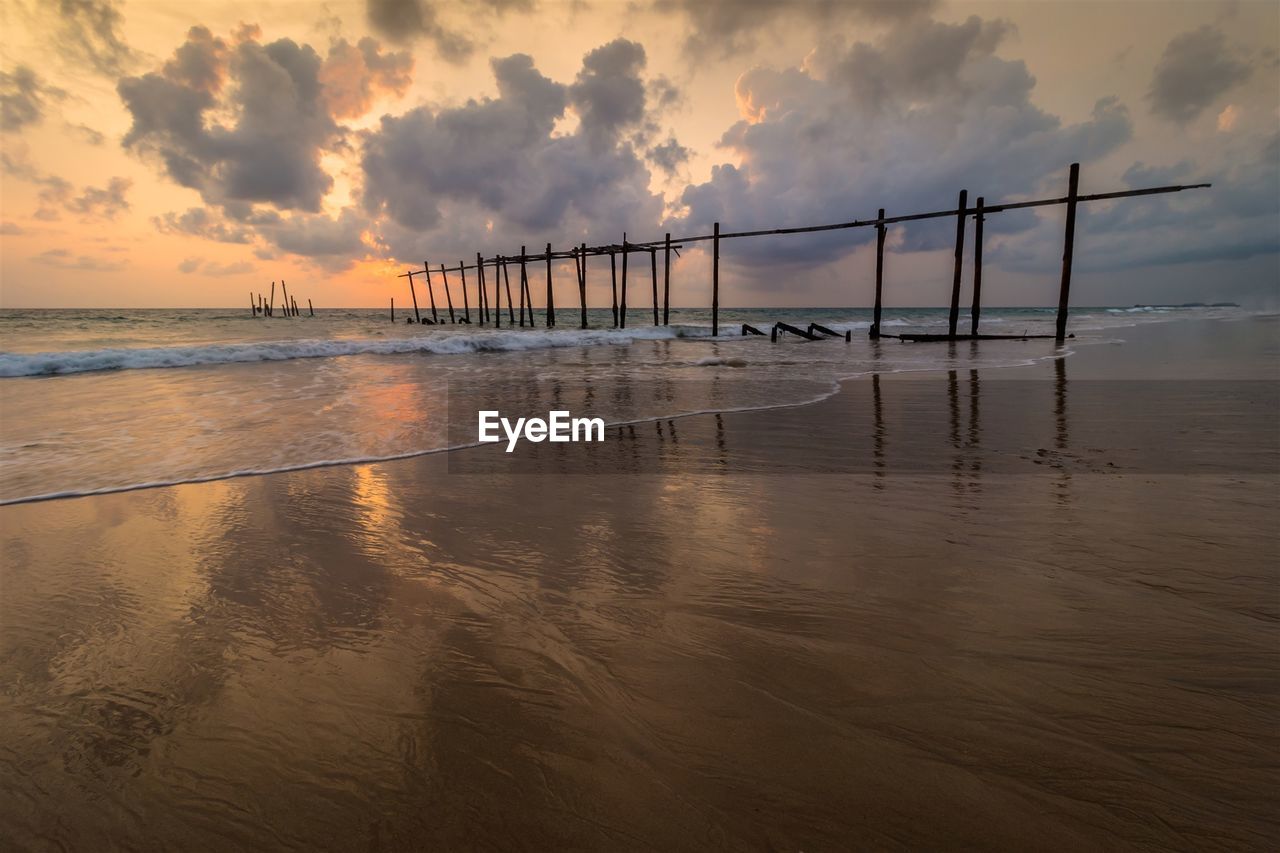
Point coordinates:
[[435, 342]]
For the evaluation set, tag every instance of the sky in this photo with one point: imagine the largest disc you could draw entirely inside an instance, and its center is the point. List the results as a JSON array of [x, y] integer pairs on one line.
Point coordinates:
[[157, 154]]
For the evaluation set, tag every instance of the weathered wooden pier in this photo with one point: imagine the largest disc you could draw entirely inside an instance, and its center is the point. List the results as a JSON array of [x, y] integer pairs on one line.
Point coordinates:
[[580, 253], [264, 307]]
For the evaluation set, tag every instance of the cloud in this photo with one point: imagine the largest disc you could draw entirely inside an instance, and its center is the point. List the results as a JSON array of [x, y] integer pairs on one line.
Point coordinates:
[[722, 28], [282, 125], [903, 122], [447, 181], [212, 268], [24, 98], [1196, 69], [88, 32], [103, 203], [10, 229], [403, 21], [354, 75], [64, 259], [669, 156], [199, 222]]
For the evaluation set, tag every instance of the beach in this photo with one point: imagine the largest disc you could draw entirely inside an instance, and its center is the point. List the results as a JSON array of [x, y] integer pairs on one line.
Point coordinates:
[[988, 598]]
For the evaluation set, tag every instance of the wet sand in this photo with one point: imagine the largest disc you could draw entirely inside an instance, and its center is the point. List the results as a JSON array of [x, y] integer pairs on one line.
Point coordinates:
[[1021, 609]]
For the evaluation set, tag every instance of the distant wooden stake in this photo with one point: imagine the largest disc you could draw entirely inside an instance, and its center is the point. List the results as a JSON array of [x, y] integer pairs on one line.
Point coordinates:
[[444, 274], [506, 277], [1068, 249], [622, 308], [653, 268], [582, 283], [271, 306], [715, 281], [393, 309], [431, 292], [551, 297], [466, 304], [666, 281], [416, 317], [311, 308], [875, 314], [524, 281], [613, 271], [253, 308], [483, 307], [955, 277], [977, 265], [284, 290]]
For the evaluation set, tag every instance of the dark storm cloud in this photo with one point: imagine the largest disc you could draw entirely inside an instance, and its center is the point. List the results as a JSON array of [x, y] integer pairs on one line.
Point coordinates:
[[669, 156], [720, 28], [496, 166], [904, 123], [271, 154], [24, 97], [1196, 69]]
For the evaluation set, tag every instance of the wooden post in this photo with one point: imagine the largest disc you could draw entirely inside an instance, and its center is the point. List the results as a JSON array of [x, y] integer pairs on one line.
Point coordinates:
[[295, 308], [551, 297], [1068, 249], [715, 282], [483, 293], [875, 313], [506, 276], [977, 264], [524, 288], [666, 281], [613, 271], [416, 317], [653, 268], [393, 309], [955, 277], [431, 292], [311, 308], [448, 299], [271, 306], [466, 304], [253, 307], [284, 290], [582, 283], [511, 316], [622, 309]]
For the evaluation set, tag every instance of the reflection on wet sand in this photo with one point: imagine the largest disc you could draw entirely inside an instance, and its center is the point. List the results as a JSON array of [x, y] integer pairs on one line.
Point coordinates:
[[704, 655]]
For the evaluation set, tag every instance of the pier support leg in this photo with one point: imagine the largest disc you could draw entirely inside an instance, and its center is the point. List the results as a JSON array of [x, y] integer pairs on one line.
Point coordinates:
[[622, 310], [977, 265], [551, 297], [448, 298], [431, 292], [653, 269], [582, 282], [1068, 248], [715, 281], [955, 278], [875, 312], [414, 295], [466, 303], [666, 281], [613, 271]]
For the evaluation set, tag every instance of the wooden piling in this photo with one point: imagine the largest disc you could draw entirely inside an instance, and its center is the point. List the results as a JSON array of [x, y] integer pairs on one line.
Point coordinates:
[[524, 288], [295, 306], [271, 306], [311, 308], [466, 304], [482, 294], [551, 297], [253, 308], [613, 271], [431, 293], [1068, 249], [666, 280], [417, 318], [978, 219], [875, 312], [955, 277], [715, 281], [653, 268], [393, 309], [582, 283], [444, 274], [622, 308], [506, 280], [285, 291]]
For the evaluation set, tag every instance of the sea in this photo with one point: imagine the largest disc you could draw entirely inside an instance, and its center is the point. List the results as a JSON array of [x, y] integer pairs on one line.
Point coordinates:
[[105, 400]]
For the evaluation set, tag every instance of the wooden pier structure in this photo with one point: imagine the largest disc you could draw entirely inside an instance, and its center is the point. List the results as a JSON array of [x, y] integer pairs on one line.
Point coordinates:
[[962, 212]]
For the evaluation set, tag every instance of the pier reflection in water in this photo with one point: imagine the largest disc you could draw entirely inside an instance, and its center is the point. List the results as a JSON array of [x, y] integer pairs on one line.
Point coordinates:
[[904, 642]]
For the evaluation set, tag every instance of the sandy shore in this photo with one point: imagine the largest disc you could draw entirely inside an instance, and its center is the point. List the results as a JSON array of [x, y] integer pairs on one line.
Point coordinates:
[[1028, 609]]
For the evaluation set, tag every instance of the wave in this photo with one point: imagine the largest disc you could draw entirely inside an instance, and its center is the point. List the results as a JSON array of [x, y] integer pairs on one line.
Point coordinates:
[[439, 343]]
